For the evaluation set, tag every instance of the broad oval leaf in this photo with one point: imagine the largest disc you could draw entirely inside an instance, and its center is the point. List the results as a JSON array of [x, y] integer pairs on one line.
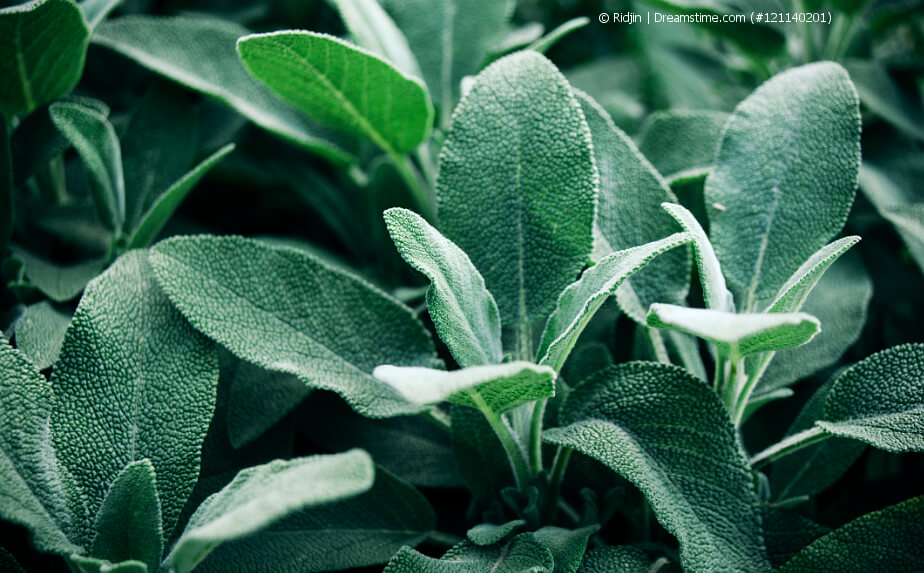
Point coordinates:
[[199, 53], [262, 495], [669, 434], [500, 387], [788, 149], [341, 86], [566, 545], [737, 335], [682, 144], [133, 381], [286, 311], [524, 554], [518, 161], [463, 311], [38, 67], [578, 303], [880, 400]]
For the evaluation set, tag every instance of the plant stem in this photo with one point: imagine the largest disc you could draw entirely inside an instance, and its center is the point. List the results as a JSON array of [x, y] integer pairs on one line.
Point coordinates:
[[745, 395], [732, 389], [787, 446], [412, 179], [505, 434], [535, 435], [559, 466]]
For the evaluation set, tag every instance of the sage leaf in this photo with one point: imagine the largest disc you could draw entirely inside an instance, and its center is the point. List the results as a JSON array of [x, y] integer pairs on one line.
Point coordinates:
[[787, 533], [40, 333], [95, 140], [199, 53], [128, 525], [286, 311], [885, 540], [38, 67], [880, 400], [566, 545], [111, 408], [523, 554], [794, 292], [491, 533], [463, 311], [682, 144], [95, 11], [879, 92], [342, 87], [737, 335], [60, 283], [715, 291], [262, 495], [763, 194], [519, 139], [543, 44], [373, 29], [93, 565], [629, 214], [33, 490], [500, 387], [363, 530], [669, 434], [619, 559], [578, 303], [259, 399]]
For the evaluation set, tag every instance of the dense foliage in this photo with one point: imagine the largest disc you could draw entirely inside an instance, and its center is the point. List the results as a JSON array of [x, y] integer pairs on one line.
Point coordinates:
[[460, 286]]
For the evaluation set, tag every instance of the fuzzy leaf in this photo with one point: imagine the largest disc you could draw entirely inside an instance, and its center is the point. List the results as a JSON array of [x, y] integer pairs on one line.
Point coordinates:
[[372, 28], [737, 335], [128, 525], [619, 559], [578, 303], [880, 400], [567, 545], [715, 291], [669, 434], [133, 381], [341, 86], [93, 565], [791, 146], [500, 387], [885, 540], [794, 292], [682, 144], [199, 53], [519, 139], [40, 333], [463, 311], [60, 283], [286, 311], [491, 533], [524, 554], [37, 67], [95, 140]]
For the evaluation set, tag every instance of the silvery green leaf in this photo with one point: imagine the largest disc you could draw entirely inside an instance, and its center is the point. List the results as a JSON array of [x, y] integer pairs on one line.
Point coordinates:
[[794, 292], [618, 559], [682, 144], [524, 554], [40, 333], [372, 28], [566, 545], [491, 533], [60, 283], [715, 291]]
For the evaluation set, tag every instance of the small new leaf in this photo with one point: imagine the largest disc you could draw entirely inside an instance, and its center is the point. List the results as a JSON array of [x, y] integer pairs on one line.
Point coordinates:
[[794, 292]]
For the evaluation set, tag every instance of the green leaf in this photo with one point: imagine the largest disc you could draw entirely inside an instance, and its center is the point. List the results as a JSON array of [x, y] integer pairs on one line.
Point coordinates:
[[543, 44], [463, 311], [682, 144], [578, 303], [262, 495], [880, 400], [199, 53], [615, 82], [40, 333], [909, 222], [33, 491], [95, 140], [167, 203], [879, 92], [133, 381], [93, 565], [787, 533], [885, 540], [669, 434], [790, 147], [794, 292], [286, 311], [629, 214], [128, 525], [715, 291], [372, 28], [260, 398], [37, 67], [524, 554], [451, 39], [500, 387], [519, 139], [6, 189], [567, 545], [95, 11], [60, 283], [737, 335], [342, 87], [491, 533], [620, 559], [356, 532]]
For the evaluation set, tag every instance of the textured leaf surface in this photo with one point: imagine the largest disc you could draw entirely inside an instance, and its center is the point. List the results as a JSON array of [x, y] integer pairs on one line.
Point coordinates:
[[363, 530], [500, 387], [787, 533], [199, 53], [133, 381], [38, 67], [40, 333], [32, 490], [715, 290], [128, 525], [789, 148], [462, 309], [620, 559], [629, 214], [524, 554], [373, 29], [341, 86], [682, 144], [491, 533], [880, 400], [885, 540], [669, 434], [578, 303], [262, 495], [286, 311], [567, 545], [794, 292], [519, 140]]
